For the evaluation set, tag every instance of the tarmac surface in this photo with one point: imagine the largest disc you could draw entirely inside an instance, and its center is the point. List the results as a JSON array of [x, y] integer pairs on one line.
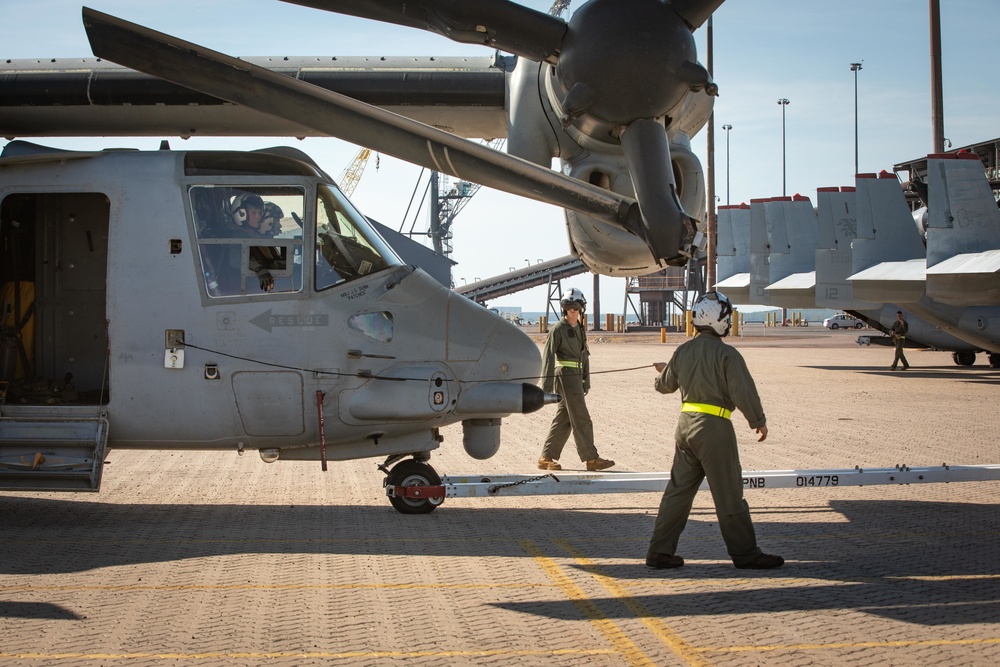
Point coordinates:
[[213, 558]]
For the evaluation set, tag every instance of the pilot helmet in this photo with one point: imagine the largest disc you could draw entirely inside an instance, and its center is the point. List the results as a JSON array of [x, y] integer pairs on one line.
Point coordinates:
[[270, 223], [712, 313], [239, 205], [574, 298]]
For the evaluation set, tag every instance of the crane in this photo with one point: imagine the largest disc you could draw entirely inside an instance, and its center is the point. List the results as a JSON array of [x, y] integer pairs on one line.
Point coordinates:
[[448, 199], [558, 7], [352, 173]]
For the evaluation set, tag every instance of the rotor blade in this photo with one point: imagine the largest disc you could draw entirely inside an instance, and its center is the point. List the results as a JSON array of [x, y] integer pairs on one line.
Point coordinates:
[[666, 228], [338, 116], [499, 24], [695, 12]]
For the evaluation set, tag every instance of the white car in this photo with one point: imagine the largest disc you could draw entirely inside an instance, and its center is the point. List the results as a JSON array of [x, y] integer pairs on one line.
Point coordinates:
[[843, 322]]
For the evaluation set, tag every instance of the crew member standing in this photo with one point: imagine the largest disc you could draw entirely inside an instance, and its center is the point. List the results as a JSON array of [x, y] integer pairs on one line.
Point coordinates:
[[714, 380], [898, 333], [566, 367]]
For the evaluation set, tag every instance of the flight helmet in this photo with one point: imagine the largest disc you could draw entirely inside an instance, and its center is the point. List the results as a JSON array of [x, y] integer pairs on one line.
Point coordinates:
[[712, 312], [270, 224], [239, 204], [574, 298]]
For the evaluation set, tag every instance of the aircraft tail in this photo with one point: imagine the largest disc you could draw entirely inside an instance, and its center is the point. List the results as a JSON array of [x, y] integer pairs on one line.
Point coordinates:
[[963, 232], [733, 253], [793, 232]]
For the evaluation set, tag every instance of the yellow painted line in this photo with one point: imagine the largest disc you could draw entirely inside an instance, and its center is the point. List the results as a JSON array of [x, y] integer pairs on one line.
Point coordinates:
[[902, 643], [663, 632], [310, 654], [269, 587], [606, 626]]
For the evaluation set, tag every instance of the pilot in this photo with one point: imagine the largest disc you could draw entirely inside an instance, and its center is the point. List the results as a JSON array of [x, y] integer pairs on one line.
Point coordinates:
[[246, 210], [566, 367], [251, 218], [714, 380], [270, 223]]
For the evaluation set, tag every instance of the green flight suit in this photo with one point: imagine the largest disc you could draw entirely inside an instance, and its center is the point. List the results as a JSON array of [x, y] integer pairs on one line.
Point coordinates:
[[569, 344], [708, 371], [898, 330]]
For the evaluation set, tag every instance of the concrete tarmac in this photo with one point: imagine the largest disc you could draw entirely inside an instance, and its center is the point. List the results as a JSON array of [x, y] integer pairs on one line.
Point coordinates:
[[212, 558]]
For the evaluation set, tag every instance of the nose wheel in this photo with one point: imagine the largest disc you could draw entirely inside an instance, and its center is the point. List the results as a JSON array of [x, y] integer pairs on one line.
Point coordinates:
[[403, 486]]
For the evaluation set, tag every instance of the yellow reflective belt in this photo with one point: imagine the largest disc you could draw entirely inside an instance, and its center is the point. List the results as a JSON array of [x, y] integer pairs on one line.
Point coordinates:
[[707, 409], [568, 364]]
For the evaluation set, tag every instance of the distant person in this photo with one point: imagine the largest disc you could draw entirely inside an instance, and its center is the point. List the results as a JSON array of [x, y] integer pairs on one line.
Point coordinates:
[[714, 380], [566, 368], [898, 333]]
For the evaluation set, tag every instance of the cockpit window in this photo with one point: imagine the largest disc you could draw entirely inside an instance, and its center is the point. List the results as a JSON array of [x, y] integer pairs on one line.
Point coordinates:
[[249, 238], [347, 248]]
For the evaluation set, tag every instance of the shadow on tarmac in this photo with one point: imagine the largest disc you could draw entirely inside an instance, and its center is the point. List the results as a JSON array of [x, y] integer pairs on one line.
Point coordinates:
[[932, 563]]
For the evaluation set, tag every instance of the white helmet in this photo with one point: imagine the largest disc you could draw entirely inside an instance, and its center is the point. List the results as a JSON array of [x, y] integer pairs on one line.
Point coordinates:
[[574, 298], [238, 207], [712, 312]]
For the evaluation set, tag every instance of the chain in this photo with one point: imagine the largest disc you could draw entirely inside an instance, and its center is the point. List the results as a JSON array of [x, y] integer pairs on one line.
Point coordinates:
[[495, 489]]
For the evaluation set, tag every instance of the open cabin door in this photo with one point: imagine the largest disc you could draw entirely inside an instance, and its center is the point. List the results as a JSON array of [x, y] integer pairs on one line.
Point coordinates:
[[53, 330]]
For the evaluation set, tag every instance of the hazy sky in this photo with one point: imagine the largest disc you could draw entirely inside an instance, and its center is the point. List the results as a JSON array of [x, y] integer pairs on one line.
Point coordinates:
[[764, 50]]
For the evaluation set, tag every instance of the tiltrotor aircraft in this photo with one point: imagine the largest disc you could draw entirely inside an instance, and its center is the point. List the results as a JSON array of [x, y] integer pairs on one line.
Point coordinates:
[[616, 93], [238, 301], [863, 251]]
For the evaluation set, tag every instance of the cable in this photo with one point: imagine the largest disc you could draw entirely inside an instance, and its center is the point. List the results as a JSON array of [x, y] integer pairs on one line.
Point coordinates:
[[369, 376]]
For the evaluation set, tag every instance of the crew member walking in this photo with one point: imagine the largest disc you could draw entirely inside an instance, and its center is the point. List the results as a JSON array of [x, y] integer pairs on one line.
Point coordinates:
[[898, 333], [566, 368], [714, 380]]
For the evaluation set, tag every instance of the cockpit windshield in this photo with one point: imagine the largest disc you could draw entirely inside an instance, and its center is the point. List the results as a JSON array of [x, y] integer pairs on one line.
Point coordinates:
[[347, 247]]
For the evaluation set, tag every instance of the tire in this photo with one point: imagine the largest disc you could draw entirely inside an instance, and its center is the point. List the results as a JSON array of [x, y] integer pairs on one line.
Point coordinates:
[[413, 473], [859, 325], [834, 325], [964, 358]]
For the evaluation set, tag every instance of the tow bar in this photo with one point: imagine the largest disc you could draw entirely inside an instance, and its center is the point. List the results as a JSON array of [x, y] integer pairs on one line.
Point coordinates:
[[482, 486]]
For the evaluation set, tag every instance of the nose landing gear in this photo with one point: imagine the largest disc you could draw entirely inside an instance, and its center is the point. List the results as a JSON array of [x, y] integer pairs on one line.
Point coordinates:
[[413, 487]]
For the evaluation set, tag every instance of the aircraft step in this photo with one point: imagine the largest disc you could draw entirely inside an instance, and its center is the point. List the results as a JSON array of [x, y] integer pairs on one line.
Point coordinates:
[[60, 450]]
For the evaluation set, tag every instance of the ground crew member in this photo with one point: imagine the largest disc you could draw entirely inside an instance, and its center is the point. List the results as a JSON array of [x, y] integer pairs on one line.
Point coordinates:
[[714, 380], [898, 333], [566, 370]]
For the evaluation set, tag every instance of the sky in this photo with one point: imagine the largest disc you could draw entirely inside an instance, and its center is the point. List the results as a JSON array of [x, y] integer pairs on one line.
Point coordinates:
[[764, 50]]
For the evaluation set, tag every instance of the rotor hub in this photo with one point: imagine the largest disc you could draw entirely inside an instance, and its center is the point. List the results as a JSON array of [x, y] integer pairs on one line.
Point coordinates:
[[625, 59]]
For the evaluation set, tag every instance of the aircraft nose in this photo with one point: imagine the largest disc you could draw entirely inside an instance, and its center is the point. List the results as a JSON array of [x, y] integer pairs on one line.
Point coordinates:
[[481, 346]]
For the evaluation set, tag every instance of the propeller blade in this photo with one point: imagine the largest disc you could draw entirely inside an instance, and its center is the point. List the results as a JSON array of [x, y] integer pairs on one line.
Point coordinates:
[[339, 116], [695, 12], [499, 24], [666, 228]]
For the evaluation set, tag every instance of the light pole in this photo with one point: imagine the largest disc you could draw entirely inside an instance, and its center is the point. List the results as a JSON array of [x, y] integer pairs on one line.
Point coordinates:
[[727, 128], [855, 67], [784, 103]]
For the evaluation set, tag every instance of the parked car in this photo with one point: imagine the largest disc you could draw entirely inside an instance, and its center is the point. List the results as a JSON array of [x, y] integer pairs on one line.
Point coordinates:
[[843, 322]]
